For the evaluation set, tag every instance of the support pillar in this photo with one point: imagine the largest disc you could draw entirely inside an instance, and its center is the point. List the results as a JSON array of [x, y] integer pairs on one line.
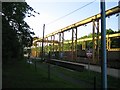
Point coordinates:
[[42, 57], [59, 44], [109, 46], [103, 47], [76, 44], [36, 50], [98, 45], [72, 42], [62, 41], [93, 40], [83, 45], [47, 45], [53, 43], [107, 41]]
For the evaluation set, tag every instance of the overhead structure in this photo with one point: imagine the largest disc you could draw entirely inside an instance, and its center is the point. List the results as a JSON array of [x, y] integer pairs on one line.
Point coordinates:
[[73, 27], [47, 41], [96, 17]]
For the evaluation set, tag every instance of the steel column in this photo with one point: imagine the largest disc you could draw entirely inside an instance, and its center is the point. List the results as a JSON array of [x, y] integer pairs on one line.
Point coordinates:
[[119, 16], [44, 46], [43, 42], [59, 44], [72, 42], [47, 45], [36, 50], [93, 36], [53, 42], [103, 46], [62, 41], [40, 49], [97, 40], [107, 41], [83, 45], [109, 46], [76, 44]]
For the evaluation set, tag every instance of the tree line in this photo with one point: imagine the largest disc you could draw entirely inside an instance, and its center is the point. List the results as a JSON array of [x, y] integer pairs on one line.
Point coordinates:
[[16, 33], [68, 46]]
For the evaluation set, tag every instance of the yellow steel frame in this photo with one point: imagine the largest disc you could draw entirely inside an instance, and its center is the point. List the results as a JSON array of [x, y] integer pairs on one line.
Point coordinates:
[[77, 24], [90, 39], [85, 21], [73, 26]]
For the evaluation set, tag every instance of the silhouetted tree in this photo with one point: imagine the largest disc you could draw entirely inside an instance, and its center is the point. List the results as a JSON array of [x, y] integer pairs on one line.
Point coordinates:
[[16, 33]]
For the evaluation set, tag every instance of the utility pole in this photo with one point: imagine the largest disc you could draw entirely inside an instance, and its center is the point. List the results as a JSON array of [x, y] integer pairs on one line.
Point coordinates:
[[119, 17], [43, 42], [103, 46]]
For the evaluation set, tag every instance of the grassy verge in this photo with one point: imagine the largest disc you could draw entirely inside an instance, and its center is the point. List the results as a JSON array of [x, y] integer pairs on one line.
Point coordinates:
[[24, 75], [87, 77]]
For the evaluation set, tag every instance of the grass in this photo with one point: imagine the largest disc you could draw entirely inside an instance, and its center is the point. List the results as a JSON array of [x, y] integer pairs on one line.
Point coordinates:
[[24, 75], [89, 77]]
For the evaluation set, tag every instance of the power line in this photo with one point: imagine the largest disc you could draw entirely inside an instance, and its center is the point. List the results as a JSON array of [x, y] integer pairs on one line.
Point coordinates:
[[70, 13]]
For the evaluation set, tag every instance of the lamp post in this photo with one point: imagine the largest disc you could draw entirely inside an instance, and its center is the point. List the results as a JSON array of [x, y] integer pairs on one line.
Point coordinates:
[[103, 46], [43, 42], [119, 17]]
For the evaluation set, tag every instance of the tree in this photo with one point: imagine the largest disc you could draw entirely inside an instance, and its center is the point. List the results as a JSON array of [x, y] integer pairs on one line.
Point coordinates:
[[109, 31], [16, 33]]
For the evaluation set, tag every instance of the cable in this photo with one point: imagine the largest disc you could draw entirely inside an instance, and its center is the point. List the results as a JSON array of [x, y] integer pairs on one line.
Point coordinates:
[[70, 13]]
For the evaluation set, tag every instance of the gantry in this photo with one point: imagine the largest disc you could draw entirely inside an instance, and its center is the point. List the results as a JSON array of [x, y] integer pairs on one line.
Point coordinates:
[[95, 26]]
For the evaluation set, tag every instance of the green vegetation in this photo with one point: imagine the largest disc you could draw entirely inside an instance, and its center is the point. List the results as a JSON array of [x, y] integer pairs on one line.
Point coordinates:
[[16, 33], [24, 75], [108, 31], [17, 73], [68, 46]]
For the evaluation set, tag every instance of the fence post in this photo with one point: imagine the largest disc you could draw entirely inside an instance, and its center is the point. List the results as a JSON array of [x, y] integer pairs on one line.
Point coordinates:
[[35, 66], [94, 82], [49, 57]]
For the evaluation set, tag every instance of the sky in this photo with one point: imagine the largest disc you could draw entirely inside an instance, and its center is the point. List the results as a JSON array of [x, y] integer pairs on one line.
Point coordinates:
[[51, 11]]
